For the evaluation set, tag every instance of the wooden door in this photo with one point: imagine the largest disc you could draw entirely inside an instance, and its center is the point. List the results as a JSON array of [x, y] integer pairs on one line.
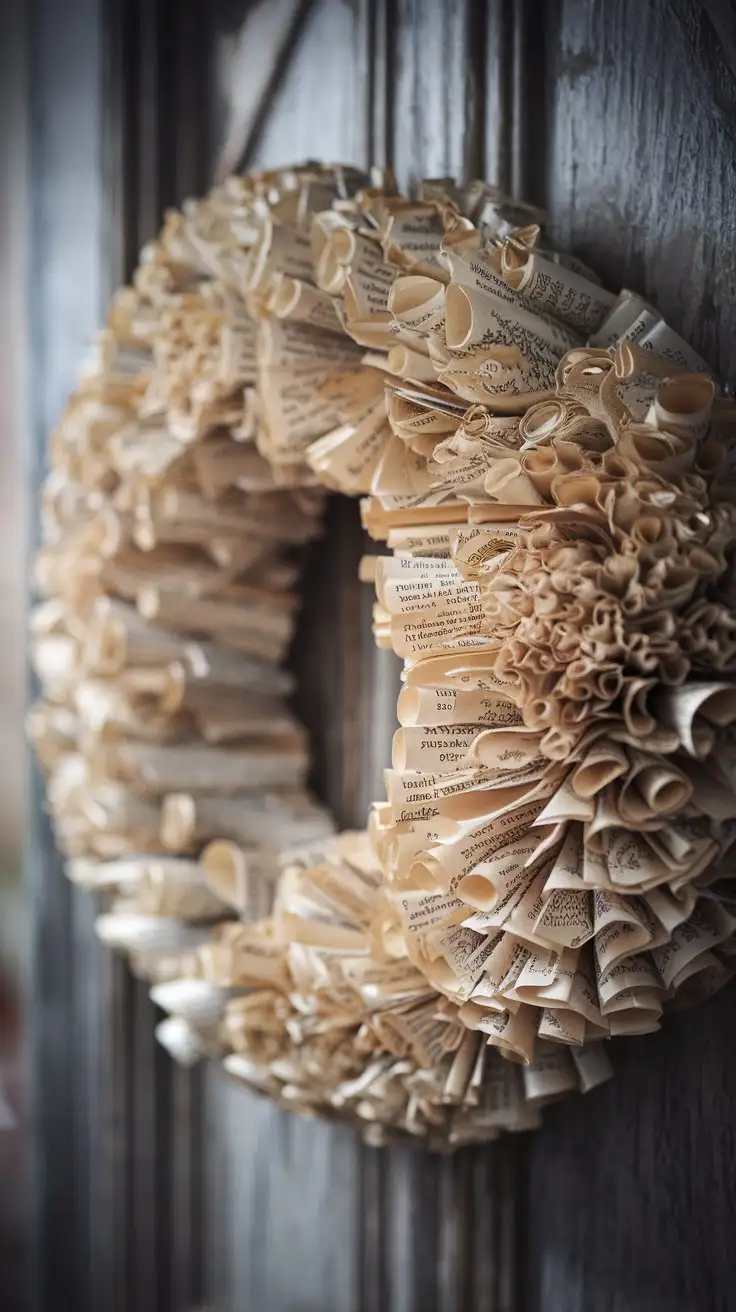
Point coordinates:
[[187, 1192]]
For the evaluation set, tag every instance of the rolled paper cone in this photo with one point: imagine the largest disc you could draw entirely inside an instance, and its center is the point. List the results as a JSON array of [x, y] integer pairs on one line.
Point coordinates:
[[195, 1000], [551, 1077], [407, 363], [181, 1041], [593, 1066], [583, 490], [514, 1035]]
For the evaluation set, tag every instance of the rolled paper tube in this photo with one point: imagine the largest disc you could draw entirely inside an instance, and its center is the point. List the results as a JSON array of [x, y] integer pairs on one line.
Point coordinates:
[[711, 459], [124, 874], [580, 372], [119, 636], [242, 879], [665, 453], [549, 462], [205, 697], [55, 658], [625, 312], [220, 665], [209, 614], [221, 463], [225, 515], [185, 902], [472, 321], [218, 725], [339, 250], [410, 364], [197, 1001], [554, 288], [148, 534], [181, 1041], [291, 298], [664, 788], [604, 763], [195, 767], [461, 1070], [275, 820], [146, 934], [479, 890], [178, 888], [121, 820], [683, 405]]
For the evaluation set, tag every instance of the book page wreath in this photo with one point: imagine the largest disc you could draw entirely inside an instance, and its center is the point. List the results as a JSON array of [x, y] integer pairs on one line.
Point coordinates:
[[551, 472]]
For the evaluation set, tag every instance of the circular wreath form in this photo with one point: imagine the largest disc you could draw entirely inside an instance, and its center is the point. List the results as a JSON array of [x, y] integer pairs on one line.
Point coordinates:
[[551, 469]]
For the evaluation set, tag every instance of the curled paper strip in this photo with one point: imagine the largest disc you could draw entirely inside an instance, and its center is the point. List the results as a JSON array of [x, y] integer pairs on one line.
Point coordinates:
[[550, 467]]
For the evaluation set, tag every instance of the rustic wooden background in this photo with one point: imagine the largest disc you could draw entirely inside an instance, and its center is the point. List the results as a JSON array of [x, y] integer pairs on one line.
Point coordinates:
[[161, 1191]]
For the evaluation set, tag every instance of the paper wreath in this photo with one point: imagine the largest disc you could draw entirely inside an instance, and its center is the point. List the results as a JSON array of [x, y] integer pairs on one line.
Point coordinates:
[[553, 469]]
